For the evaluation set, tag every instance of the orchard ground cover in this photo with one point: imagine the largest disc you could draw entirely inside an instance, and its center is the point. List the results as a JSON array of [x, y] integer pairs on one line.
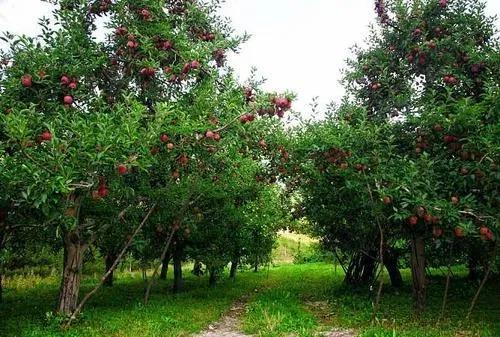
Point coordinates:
[[286, 300]]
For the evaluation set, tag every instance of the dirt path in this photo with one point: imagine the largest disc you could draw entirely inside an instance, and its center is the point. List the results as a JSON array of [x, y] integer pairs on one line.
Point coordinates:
[[321, 309], [228, 325]]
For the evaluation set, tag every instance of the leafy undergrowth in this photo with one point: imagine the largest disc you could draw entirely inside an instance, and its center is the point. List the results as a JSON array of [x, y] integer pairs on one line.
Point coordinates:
[[290, 300]]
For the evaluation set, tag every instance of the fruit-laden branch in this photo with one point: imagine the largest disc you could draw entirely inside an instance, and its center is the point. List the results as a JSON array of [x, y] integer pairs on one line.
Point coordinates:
[[479, 217], [111, 269]]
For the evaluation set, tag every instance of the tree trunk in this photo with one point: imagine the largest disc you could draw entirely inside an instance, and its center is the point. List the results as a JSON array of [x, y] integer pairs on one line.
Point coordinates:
[[1, 276], [234, 268], [1, 288], [109, 260], [361, 269], [197, 268], [212, 280], [418, 271], [177, 272], [70, 283], [473, 265], [368, 267], [391, 264], [164, 267], [256, 268]]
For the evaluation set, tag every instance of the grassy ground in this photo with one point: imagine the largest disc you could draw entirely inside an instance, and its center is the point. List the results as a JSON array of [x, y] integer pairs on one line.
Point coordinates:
[[290, 246], [288, 300], [305, 299]]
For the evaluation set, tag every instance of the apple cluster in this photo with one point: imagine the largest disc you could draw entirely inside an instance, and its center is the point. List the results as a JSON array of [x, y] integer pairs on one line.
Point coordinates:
[[100, 7], [381, 10]]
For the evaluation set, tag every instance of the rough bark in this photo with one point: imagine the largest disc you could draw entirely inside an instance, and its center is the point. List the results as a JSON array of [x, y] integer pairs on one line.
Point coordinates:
[[234, 269], [418, 271], [212, 280], [1, 288], [178, 282], [391, 264], [109, 260], [1, 276], [79, 308], [361, 269], [164, 267], [162, 257], [197, 268], [474, 267], [74, 250]]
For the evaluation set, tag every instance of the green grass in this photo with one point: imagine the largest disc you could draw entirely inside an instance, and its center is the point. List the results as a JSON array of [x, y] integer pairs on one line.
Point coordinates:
[[119, 311], [309, 298], [292, 247], [288, 300]]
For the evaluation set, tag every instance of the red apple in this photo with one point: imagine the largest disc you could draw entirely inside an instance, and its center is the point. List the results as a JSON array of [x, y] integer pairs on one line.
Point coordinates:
[[183, 160], [65, 80], [413, 220], [164, 138], [282, 103], [484, 230], [102, 191], [27, 81], [132, 44], [122, 169], [121, 31], [195, 64], [170, 146], [72, 85], [175, 174], [167, 45], [428, 219], [68, 100], [387, 200], [186, 68], [209, 134], [46, 136], [146, 14], [455, 200], [459, 232]]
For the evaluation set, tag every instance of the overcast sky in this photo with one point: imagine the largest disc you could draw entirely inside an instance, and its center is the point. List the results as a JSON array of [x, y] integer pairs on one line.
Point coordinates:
[[299, 45]]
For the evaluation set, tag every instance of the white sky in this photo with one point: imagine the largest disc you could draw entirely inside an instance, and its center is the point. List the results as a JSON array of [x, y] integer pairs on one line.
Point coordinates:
[[299, 45]]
